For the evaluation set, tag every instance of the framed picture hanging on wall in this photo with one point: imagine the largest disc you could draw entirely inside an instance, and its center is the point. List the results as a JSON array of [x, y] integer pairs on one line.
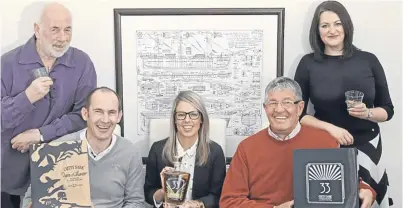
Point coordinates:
[[226, 55]]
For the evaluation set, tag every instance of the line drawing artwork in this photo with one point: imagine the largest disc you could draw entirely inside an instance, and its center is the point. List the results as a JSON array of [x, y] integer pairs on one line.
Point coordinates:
[[223, 66]]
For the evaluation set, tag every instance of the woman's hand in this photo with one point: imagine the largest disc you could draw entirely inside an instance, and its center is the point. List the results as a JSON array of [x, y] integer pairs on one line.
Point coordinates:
[[359, 111], [341, 135], [162, 175], [366, 197], [160, 193], [192, 204], [166, 205]]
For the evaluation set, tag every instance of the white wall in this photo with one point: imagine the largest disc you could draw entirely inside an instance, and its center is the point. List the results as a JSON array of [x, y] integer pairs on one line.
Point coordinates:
[[378, 29]]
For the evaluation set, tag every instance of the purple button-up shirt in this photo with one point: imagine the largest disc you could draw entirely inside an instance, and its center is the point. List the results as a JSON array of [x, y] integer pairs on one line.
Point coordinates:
[[55, 115]]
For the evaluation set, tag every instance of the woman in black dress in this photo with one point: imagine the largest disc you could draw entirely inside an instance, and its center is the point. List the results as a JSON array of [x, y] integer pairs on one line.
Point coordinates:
[[334, 67]]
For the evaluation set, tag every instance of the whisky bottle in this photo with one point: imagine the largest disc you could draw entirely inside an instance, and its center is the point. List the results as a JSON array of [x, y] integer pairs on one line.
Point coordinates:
[[176, 185]]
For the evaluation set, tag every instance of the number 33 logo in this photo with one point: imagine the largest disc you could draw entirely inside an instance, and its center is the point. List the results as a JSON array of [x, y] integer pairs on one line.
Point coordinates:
[[176, 184], [326, 188]]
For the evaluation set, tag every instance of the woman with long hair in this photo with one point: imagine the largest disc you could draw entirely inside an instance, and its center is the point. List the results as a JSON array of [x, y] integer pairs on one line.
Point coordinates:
[[201, 157]]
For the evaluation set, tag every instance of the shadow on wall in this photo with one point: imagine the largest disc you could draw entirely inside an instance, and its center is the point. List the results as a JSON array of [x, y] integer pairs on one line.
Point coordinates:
[[305, 37], [306, 46], [29, 15]]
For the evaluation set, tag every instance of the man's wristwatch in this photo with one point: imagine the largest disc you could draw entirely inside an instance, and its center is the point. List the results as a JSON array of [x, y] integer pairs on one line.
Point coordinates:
[[369, 115]]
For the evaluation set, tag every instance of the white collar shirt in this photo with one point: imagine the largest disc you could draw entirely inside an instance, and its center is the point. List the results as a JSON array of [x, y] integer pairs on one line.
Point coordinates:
[[188, 163], [100, 155], [293, 133]]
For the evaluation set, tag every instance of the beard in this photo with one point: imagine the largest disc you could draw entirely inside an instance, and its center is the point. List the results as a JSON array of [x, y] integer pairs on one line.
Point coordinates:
[[50, 51], [58, 54]]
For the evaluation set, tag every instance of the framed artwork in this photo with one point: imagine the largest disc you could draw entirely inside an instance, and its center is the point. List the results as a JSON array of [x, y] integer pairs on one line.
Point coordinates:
[[226, 55]]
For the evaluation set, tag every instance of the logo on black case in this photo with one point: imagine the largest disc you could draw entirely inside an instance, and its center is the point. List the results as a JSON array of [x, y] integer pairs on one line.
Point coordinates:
[[325, 183]]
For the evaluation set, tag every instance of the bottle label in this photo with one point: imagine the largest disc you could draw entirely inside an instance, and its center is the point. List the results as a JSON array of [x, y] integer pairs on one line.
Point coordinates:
[[176, 188]]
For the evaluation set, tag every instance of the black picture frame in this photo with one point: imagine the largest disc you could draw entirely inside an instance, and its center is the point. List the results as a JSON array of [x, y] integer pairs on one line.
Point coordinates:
[[120, 13]]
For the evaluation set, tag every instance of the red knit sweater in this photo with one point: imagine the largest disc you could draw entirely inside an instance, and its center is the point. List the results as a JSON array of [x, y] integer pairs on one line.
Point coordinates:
[[260, 174]]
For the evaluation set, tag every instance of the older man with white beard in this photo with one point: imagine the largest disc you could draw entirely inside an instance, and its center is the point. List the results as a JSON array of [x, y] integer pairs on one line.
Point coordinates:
[[40, 109]]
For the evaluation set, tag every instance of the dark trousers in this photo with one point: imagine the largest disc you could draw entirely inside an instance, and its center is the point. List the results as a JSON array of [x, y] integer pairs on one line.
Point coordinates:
[[10, 201]]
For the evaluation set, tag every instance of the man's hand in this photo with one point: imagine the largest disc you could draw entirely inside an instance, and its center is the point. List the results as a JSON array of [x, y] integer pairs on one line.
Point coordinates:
[[29, 205], [366, 198], [22, 141], [288, 204], [38, 89]]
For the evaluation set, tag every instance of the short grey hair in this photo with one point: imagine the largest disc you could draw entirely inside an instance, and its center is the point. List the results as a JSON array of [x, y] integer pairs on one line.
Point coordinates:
[[282, 83]]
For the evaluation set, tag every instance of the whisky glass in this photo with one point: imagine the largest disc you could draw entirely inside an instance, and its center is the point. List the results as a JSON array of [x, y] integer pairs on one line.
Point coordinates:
[[353, 97], [39, 72]]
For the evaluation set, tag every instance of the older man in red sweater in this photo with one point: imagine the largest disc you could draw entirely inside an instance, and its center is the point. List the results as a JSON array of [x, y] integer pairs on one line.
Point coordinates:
[[260, 174]]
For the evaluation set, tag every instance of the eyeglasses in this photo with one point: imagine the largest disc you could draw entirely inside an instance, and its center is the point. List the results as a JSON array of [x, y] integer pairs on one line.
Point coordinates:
[[285, 103], [194, 115]]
